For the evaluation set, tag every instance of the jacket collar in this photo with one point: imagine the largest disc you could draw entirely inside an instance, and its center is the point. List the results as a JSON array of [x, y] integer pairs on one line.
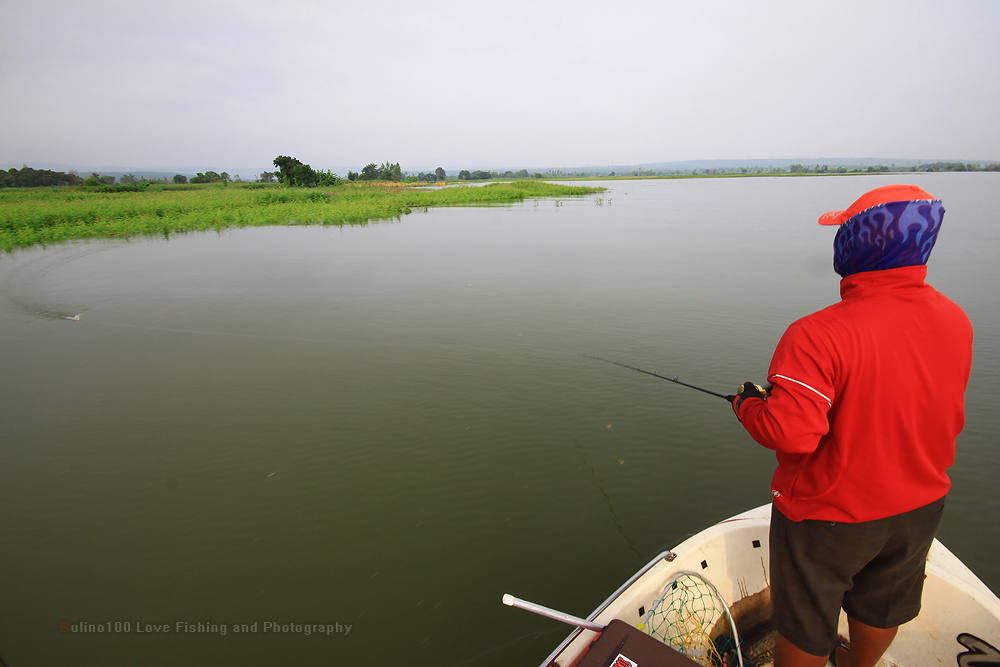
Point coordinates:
[[905, 277]]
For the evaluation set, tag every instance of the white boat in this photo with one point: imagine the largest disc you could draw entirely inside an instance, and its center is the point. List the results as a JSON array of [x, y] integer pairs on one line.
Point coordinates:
[[727, 565]]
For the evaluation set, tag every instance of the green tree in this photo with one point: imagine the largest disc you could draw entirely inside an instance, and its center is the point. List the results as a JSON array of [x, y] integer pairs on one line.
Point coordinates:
[[390, 172], [370, 172], [303, 176], [207, 177], [286, 165], [440, 174], [465, 175], [327, 178], [294, 173], [180, 179]]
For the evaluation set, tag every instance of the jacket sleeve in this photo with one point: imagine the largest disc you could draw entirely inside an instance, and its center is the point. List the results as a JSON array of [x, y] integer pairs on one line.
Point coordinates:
[[795, 416]]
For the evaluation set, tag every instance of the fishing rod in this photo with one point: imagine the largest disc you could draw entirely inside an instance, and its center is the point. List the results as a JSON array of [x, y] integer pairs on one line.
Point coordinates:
[[728, 398]]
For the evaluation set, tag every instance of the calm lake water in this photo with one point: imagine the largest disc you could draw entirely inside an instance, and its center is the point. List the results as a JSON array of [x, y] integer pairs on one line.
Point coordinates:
[[382, 429]]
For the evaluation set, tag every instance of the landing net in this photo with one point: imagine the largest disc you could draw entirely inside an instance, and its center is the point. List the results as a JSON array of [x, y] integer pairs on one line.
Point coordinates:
[[693, 618]]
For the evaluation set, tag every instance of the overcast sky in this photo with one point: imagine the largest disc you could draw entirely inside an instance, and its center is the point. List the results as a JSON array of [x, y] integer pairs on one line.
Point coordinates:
[[224, 85]]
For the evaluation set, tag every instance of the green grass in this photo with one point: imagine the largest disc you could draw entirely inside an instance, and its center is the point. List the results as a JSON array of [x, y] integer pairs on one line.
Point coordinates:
[[33, 216]]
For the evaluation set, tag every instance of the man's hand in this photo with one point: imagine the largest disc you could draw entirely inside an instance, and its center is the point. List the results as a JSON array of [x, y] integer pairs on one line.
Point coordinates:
[[748, 390]]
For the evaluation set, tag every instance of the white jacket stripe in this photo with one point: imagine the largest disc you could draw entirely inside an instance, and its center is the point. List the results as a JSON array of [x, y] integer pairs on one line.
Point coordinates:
[[819, 393]]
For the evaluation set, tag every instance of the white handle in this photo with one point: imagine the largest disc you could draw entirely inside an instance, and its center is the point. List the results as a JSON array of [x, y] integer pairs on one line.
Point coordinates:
[[512, 601]]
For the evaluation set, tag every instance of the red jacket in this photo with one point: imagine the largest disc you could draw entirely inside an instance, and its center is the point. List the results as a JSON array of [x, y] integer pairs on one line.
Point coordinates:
[[868, 399]]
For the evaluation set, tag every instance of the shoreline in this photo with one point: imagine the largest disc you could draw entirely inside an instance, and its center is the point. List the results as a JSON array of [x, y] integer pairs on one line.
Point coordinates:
[[45, 215]]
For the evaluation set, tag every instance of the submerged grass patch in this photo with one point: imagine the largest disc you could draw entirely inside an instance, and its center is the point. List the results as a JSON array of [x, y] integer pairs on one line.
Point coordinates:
[[31, 216]]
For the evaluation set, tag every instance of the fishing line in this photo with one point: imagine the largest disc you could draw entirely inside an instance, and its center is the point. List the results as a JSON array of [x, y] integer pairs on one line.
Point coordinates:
[[607, 502]]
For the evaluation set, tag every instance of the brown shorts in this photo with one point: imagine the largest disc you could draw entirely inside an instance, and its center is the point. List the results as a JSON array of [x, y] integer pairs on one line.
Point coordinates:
[[873, 570]]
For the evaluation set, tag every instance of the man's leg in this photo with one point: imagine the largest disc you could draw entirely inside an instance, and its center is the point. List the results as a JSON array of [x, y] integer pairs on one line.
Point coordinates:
[[868, 644], [787, 654]]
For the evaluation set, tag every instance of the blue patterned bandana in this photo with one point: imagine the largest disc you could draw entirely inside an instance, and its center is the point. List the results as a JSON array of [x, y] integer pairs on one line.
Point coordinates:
[[888, 236]]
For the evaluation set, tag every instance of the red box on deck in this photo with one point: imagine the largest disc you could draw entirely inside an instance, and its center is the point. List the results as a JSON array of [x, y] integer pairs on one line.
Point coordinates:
[[621, 645]]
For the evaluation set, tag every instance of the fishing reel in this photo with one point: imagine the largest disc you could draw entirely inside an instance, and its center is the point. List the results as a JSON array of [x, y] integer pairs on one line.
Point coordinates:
[[747, 390], [752, 390]]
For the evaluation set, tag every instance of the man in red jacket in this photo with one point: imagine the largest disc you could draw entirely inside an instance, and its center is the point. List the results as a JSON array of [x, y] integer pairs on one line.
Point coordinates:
[[867, 400]]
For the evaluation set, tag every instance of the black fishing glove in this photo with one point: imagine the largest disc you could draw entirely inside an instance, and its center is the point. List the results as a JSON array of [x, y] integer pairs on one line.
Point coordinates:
[[748, 390]]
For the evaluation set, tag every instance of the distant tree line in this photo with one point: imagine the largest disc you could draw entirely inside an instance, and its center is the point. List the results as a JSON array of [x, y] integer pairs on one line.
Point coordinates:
[[881, 168], [292, 172], [207, 177], [875, 169], [26, 177], [956, 166], [388, 171], [435, 176]]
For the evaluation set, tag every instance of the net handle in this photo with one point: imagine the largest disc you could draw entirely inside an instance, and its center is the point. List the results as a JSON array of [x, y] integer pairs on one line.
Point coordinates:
[[512, 601]]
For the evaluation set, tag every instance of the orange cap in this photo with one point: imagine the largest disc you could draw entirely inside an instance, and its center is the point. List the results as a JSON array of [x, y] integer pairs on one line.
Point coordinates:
[[883, 195]]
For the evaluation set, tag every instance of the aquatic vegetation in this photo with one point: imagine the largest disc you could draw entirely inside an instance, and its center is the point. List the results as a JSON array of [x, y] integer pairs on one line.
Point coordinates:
[[31, 216]]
